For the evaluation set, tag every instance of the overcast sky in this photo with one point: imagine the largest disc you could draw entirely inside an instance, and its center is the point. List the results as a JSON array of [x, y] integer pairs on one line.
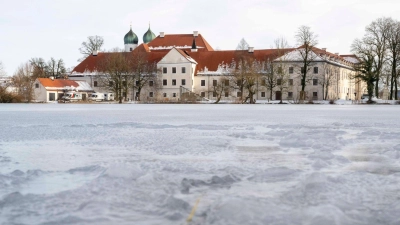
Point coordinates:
[[55, 28]]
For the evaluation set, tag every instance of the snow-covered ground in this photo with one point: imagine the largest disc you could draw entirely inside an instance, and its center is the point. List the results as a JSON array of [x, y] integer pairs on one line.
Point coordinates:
[[223, 164]]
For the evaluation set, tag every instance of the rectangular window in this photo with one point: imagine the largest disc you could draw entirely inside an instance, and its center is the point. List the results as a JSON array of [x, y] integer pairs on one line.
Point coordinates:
[[215, 83], [203, 94], [279, 82], [239, 83], [290, 70], [214, 94], [173, 82], [173, 69], [263, 82], [226, 94], [183, 82], [151, 83], [315, 70], [151, 94], [239, 94], [174, 95], [164, 70], [290, 82], [226, 82], [203, 83], [137, 94], [315, 95], [280, 70], [263, 94], [302, 70], [37, 85], [290, 95], [164, 82], [124, 83], [315, 82], [164, 95], [183, 69], [111, 83], [94, 84]]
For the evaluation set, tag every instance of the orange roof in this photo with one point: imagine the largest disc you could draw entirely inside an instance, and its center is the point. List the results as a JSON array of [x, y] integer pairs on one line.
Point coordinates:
[[213, 59], [179, 40], [57, 83], [91, 62]]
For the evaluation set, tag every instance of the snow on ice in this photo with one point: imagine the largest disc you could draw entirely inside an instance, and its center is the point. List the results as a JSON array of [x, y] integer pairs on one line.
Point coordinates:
[[238, 164]]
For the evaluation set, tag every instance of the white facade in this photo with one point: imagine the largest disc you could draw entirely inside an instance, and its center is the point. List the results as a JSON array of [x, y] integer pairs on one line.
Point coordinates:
[[130, 47], [176, 70]]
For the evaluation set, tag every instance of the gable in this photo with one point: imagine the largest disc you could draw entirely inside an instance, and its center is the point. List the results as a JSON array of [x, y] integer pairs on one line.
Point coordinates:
[[176, 56]]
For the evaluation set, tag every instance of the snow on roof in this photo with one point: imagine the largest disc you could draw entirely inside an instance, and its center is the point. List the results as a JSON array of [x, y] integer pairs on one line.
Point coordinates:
[[61, 84]]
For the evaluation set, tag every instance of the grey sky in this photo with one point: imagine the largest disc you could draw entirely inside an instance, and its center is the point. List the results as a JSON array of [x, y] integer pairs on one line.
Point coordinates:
[[44, 28]]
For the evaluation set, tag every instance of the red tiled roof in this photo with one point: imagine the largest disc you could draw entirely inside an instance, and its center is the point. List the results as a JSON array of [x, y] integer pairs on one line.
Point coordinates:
[[170, 40], [91, 62], [57, 83], [213, 59]]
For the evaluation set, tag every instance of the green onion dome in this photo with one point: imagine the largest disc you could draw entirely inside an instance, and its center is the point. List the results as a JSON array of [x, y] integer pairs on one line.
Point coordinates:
[[131, 38], [148, 36]]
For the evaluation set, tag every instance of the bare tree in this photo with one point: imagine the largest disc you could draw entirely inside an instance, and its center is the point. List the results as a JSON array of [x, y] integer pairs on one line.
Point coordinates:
[[39, 67], [307, 40], [376, 36], [23, 81], [327, 78], [218, 88], [243, 45], [116, 70], [144, 73], [366, 69], [2, 70], [236, 78], [393, 55], [55, 68], [271, 78], [281, 67], [93, 43]]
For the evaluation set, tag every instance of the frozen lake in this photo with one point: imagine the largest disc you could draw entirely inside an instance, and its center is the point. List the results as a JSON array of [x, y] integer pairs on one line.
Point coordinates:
[[214, 164]]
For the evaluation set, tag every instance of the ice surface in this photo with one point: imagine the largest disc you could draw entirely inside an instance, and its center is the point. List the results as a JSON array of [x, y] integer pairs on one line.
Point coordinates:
[[243, 164]]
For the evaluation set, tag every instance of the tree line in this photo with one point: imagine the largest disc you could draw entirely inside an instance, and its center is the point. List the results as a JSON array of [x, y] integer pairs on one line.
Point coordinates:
[[379, 54]]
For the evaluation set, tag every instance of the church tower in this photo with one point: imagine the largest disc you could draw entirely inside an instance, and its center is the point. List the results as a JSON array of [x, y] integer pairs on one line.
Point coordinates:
[[130, 40]]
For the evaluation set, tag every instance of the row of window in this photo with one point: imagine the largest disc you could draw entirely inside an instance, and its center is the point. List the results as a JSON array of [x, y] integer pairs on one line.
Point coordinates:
[[291, 70], [263, 82], [165, 70], [111, 83], [165, 82], [263, 94]]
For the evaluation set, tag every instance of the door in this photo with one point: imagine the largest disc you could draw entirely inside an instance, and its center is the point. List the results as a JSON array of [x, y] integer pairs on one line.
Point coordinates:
[[52, 96], [84, 97], [278, 95]]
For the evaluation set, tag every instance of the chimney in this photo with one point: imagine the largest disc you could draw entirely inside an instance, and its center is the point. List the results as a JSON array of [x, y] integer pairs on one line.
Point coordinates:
[[162, 34], [95, 53], [324, 49], [194, 47], [251, 50], [195, 33]]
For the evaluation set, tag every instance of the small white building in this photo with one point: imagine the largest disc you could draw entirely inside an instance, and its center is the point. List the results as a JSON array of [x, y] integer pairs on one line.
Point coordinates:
[[50, 90]]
